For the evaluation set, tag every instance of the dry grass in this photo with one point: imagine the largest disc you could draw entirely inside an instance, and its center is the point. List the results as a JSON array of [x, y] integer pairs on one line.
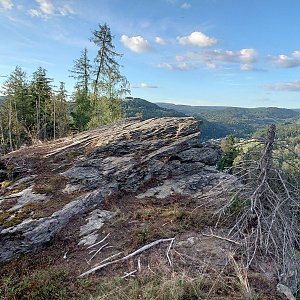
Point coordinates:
[[242, 276], [4, 184], [149, 287], [49, 184]]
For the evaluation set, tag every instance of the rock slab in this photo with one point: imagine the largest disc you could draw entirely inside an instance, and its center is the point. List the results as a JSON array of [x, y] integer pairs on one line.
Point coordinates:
[[114, 159]]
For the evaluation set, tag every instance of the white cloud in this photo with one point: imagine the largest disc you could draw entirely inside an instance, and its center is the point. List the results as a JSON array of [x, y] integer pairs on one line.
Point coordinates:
[[293, 86], [245, 57], [296, 54], [66, 10], [183, 66], [198, 39], [34, 13], [186, 5], [246, 67], [284, 61], [211, 65], [248, 55], [135, 43], [160, 41], [144, 86], [6, 4], [180, 58], [215, 59], [148, 86], [46, 7]]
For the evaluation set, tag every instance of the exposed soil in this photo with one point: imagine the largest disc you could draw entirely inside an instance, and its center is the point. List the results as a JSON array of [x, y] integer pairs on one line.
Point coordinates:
[[138, 222]]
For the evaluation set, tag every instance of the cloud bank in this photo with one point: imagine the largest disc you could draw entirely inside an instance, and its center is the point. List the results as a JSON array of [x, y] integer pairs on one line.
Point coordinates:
[[285, 61], [293, 86], [46, 9]]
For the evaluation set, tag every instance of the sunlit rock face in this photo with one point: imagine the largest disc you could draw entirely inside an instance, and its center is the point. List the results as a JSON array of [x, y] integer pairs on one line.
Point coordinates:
[[56, 182]]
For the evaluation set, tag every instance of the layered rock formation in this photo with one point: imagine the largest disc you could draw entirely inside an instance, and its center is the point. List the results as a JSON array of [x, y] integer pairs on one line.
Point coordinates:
[[48, 185]]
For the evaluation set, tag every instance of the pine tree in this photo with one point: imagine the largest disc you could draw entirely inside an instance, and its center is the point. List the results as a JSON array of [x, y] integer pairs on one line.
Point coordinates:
[[81, 112], [109, 86], [41, 91], [16, 110], [81, 72], [230, 152], [61, 112], [106, 58]]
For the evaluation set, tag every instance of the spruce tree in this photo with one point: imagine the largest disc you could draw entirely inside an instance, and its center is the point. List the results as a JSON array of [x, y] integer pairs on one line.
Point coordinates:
[[109, 86], [81, 72], [41, 91], [16, 110]]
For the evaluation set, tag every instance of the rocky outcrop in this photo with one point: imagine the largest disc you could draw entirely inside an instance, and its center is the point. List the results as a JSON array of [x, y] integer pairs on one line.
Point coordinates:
[[91, 166]]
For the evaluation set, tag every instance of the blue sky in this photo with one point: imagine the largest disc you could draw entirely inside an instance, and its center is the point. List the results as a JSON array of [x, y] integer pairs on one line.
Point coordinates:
[[197, 52]]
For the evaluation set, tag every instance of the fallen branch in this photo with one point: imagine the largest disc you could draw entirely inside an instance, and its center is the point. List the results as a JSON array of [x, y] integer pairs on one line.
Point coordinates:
[[221, 238], [139, 264], [168, 251], [110, 257], [129, 274], [97, 252], [99, 241], [285, 291], [144, 248]]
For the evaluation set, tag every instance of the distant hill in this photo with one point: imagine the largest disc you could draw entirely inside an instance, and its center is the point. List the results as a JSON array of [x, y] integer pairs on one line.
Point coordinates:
[[189, 109], [135, 106], [255, 116], [235, 114], [237, 120]]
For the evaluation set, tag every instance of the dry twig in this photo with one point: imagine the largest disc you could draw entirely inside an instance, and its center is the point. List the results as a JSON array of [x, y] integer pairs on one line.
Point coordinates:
[[140, 250], [97, 252], [221, 238], [91, 246], [129, 274], [168, 251]]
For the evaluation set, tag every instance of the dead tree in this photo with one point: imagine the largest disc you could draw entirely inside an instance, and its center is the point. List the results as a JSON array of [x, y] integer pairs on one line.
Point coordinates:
[[265, 208]]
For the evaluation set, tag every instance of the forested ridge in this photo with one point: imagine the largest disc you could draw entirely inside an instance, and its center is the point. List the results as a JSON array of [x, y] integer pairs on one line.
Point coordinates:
[[136, 107], [219, 121]]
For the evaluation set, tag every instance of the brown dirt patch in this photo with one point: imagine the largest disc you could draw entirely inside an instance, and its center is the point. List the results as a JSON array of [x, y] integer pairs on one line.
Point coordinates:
[[138, 222]]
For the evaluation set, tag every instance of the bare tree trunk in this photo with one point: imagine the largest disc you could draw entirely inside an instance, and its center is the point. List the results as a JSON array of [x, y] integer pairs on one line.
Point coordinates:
[[267, 159], [10, 126], [38, 121], [54, 118]]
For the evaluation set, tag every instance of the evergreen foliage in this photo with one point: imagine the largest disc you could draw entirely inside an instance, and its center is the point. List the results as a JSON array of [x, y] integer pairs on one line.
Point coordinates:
[[230, 152], [32, 110], [109, 86]]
